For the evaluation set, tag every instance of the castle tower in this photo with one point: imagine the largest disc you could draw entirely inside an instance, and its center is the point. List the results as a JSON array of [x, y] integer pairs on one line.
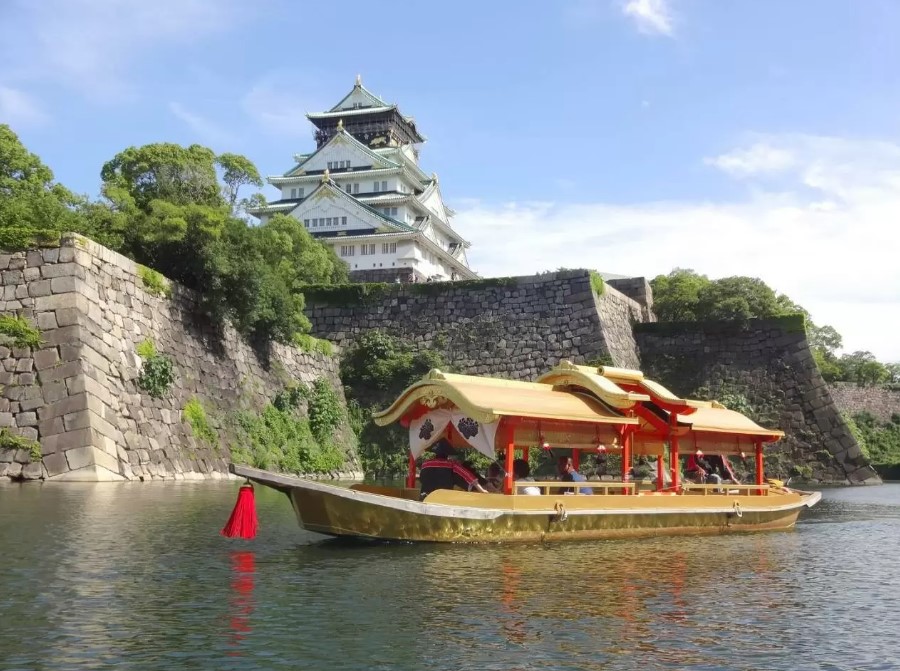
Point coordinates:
[[362, 191]]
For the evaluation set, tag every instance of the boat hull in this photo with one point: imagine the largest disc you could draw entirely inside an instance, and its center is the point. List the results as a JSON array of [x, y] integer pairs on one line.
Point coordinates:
[[450, 516]]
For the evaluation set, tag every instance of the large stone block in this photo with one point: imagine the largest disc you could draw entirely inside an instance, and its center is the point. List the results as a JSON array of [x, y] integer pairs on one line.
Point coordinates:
[[64, 442]]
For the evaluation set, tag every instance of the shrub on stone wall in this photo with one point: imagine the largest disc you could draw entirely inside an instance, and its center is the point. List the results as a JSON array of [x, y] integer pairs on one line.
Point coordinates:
[[11, 441], [19, 332], [157, 370], [281, 438], [195, 414], [879, 441], [154, 282]]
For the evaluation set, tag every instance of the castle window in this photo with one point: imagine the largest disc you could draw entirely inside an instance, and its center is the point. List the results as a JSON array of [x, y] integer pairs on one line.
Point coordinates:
[[343, 221], [348, 250], [371, 248], [389, 248], [306, 222], [293, 193], [377, 187], [383, 186], [300, 193], [349, 188], [356, 188]]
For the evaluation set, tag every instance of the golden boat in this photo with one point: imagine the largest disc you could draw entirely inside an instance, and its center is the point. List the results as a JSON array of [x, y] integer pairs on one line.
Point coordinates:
[[585, 410]]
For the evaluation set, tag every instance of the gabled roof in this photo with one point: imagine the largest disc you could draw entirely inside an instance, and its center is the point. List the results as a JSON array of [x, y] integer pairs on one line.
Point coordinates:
[[442, 218], [334, 191], [344, 136], [363, 94]]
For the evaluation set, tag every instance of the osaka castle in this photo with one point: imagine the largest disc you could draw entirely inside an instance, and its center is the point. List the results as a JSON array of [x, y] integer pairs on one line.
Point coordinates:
[[362, 192]]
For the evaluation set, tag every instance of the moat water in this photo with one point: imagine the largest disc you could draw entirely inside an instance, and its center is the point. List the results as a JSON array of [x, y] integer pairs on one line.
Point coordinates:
[[135, 576]]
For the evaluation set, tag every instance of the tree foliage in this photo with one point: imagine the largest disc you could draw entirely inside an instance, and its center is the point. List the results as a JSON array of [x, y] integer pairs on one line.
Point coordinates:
[[164, 206], [374, 370]]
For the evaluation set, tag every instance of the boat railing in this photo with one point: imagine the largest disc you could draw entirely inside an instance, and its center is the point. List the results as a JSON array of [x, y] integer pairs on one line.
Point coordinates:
[[549, 487], [726, 488]]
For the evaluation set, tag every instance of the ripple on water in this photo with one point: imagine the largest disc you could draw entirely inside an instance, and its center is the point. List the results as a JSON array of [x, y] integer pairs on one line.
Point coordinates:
[[98, 576]]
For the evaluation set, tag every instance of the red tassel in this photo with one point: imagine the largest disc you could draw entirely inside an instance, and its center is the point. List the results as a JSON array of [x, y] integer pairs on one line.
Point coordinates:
[[243, 522]]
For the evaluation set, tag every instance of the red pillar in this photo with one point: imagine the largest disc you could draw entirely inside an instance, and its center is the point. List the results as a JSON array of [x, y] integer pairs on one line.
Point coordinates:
[[626, 456], [508, 480], [659, 473], [576, 454], [525, 453], [411, 476], [673, 449], [760, 476]]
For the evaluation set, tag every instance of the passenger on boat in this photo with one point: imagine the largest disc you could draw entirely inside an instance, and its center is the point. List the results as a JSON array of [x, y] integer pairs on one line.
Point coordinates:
[[441, 472], [567, 473], [700, 471], [718, 465], [494, 478], [522, 473]]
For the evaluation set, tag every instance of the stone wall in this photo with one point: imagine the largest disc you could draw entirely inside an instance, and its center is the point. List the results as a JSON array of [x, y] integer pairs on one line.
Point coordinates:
[[514, 327], [768, 362], [78, 395], [879, 402]]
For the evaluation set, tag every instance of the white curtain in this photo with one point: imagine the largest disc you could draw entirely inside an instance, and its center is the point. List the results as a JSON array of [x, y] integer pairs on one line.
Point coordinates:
[[425, 430]]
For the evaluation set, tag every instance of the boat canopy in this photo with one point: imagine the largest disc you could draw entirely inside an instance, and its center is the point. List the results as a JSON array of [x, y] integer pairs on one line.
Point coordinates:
[[708, 423], [485, 411]]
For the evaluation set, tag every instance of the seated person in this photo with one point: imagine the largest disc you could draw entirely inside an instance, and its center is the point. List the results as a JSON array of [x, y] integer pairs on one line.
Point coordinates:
[[494, 478], [522, 473], [567, 473], [711, 469], [718, 465], [441, 472]]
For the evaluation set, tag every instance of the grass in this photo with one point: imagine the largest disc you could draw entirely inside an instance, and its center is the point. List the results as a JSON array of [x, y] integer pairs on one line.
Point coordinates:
[[19, 331]]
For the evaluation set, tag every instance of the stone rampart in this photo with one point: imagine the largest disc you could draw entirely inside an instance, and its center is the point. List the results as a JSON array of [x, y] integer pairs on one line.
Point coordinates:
[[78, 395], [879, 402], [768, 362], [515, 327]]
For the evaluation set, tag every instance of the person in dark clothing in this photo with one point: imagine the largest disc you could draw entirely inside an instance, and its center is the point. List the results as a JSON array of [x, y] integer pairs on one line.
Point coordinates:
[[567, 473], [441, 472]]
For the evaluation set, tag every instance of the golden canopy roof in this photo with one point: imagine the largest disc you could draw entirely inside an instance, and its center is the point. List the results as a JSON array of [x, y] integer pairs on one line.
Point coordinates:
[[487, 399]]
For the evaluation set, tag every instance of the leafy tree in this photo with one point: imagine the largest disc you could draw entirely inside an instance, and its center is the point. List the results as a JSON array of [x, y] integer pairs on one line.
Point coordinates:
[[737, 298], [298, 257], [138, 176], [29, 196], [863, 368], [237, 171], [675, 296]]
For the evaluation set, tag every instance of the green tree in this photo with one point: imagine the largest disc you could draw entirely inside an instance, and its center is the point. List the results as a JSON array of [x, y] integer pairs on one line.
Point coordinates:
[[29, 196], [299, 258], [164, 171], [863, 368], [675, 296], [737, 298], [237, 171]]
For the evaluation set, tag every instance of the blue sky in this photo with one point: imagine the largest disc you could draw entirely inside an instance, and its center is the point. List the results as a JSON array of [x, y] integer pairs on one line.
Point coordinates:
[[756, 137]]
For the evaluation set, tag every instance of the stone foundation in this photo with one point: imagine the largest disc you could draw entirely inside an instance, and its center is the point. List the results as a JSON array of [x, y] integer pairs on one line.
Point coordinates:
[[78, 395]]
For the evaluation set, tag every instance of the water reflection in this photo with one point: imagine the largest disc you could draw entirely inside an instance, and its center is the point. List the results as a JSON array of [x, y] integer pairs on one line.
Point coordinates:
[[137, 576], [243, 566]]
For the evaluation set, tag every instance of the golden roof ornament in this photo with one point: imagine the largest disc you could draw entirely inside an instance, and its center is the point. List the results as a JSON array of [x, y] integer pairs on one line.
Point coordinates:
[[434, 177], [359, 80], [340, 125], [326, 176]]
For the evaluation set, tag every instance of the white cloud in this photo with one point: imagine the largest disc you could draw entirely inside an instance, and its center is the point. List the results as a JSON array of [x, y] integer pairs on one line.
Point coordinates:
[[827, 236], [652, 17], [19, 109], [759, 159], [205, 129], [90, 45]]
